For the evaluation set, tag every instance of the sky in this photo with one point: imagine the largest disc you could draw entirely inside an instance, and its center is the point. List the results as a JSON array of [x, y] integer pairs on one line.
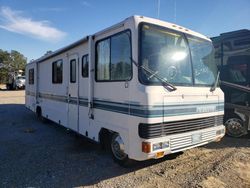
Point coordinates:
[[34, 27]]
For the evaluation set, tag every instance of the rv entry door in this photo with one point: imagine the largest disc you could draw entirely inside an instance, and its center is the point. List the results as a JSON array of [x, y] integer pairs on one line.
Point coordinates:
[[73, 93]]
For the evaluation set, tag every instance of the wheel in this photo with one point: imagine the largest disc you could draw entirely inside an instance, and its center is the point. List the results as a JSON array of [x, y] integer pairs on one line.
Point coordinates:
[[118, 151], [235, 127]]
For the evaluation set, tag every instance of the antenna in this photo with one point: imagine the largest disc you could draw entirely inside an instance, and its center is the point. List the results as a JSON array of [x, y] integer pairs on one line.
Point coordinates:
[[158, 8], [175, 11]]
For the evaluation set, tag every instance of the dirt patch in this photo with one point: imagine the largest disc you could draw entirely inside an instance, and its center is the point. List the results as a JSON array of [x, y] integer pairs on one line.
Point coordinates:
[[243, 170], [212, 182], [33, 154]]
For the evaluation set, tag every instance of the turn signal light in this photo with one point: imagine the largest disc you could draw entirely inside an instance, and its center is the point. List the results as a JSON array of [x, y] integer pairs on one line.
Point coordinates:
[[146, 147]]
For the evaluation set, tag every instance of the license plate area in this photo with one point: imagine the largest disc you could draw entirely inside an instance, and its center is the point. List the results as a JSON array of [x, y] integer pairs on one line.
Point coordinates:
[[196, 138]]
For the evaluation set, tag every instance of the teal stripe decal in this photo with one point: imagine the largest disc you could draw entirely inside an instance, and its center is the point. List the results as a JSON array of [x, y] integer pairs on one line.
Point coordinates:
[[146, 111]]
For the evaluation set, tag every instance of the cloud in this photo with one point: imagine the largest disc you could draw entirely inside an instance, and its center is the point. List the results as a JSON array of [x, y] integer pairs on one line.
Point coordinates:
[[13, 21], [85, 3]]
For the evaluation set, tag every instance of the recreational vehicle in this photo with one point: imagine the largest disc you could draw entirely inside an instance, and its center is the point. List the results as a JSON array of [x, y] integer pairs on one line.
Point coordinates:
[[232, 56], [16, 80], [144, 87]]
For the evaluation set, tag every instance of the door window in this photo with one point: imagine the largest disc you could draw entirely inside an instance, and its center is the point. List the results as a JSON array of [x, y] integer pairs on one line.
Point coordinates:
[[73, 70]]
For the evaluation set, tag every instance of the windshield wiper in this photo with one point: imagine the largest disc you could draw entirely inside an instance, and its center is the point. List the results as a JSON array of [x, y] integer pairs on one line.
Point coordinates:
[[154, 74], [215, 83]]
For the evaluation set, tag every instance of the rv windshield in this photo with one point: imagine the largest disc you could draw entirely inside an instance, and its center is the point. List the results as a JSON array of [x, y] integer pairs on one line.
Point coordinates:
[[174, 56], [202, 53]]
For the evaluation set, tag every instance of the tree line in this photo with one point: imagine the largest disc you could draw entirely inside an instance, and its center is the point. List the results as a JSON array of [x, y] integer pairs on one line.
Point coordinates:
[[10, 62]]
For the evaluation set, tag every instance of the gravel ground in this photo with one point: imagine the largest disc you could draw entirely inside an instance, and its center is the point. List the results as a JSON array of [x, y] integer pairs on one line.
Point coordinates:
[[33, 154]]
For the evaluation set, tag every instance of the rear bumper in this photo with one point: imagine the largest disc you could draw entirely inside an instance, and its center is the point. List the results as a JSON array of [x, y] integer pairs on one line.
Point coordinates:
[[183, 141]]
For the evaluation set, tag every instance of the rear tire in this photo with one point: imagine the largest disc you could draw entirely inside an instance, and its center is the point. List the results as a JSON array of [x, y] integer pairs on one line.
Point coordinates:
[[39, 115], [118, 151]]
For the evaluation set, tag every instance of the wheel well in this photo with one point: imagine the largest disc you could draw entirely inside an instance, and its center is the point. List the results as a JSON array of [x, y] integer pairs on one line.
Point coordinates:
[[231, 114], [38, 111], [104, 138]]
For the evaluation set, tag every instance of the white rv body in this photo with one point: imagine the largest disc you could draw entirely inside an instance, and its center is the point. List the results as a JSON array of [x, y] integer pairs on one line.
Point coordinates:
[[88, 106]]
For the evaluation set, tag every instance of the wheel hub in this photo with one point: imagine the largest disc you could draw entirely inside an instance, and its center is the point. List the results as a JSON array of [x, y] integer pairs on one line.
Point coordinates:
[[118, 148], [234, 127]]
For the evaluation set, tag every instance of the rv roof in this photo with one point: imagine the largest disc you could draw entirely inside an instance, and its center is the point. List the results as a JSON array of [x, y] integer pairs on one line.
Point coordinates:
[[232, 34], [170, 25], [137, 19]]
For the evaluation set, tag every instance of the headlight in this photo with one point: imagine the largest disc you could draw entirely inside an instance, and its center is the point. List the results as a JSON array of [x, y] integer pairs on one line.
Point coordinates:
[[160, 145], [157, 146], [165, 144]]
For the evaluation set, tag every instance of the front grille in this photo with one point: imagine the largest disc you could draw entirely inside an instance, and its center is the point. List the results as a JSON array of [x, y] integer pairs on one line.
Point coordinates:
[[181, 143], [175, 127]]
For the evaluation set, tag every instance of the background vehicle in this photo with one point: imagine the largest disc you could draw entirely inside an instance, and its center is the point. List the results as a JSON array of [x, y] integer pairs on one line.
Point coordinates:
[[233, 60], [16, 80], [144, 87]]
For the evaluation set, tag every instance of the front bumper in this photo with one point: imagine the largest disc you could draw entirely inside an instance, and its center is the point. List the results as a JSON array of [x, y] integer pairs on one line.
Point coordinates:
[[20, 85], [183, 141]]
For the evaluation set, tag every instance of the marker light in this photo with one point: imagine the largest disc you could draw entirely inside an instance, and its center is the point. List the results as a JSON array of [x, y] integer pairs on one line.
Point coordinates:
[[159, 154]]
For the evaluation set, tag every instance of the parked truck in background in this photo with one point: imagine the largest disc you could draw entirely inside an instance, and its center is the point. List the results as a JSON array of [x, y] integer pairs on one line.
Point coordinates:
[[16, 80], [232, 55]]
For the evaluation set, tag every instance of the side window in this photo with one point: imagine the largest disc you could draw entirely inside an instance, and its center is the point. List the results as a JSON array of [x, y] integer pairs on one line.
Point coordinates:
[[238, 72], [31, 76], [114, 58], [73, 70], [121, 57], [85, 66], [103, 60], [57, 72]]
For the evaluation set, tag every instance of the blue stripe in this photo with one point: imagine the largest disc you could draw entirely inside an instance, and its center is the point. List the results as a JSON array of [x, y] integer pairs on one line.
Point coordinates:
[[146, 111]]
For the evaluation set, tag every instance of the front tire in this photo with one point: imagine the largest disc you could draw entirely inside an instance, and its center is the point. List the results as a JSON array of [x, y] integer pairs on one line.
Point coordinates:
[[118, 151]]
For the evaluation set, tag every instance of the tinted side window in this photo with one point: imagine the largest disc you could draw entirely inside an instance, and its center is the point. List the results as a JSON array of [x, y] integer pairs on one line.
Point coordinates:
[[238, 73], [73, 71], [31, 76], [85, 66], [114, 58], [57, 72]]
